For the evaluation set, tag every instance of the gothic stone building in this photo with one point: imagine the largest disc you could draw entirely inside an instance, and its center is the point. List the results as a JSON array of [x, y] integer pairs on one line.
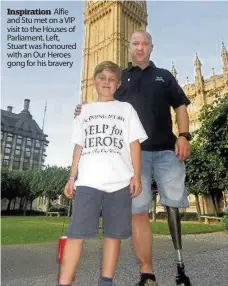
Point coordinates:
[[202, 91], [23, 143]]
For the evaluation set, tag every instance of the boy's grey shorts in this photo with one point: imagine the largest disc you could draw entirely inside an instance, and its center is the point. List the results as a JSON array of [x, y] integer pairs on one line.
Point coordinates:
[[116, 213]]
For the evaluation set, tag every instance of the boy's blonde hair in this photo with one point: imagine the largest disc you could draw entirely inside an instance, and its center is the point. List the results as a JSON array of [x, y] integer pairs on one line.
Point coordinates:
[[110, 66]]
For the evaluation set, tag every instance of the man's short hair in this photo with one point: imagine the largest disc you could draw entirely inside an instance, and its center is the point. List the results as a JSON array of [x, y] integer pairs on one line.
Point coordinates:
[[143, 32], [107, 65]]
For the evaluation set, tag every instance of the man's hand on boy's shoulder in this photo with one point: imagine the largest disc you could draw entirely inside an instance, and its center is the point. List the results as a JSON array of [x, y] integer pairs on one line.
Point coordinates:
[[78, 109], [69, 189], [135, 187]]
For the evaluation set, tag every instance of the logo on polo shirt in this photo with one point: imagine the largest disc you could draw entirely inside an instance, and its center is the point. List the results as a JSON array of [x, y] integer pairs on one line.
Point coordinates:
[[159, 78]]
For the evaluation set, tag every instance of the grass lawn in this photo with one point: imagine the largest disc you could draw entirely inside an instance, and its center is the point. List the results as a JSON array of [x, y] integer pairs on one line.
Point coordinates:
[[23, 230], [161, 227]]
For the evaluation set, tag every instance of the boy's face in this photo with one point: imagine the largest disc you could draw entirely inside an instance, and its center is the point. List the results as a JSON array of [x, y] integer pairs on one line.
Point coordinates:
[[106, 84]]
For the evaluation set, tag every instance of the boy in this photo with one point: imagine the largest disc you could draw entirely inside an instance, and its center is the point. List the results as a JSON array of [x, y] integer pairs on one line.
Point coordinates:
[[107, 162]]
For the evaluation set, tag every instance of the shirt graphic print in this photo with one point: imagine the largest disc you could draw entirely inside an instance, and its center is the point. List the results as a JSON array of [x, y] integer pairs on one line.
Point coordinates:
[[105, 131]]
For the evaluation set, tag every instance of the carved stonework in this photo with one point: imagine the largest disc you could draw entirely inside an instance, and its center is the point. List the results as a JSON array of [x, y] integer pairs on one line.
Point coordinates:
[[202, 91]]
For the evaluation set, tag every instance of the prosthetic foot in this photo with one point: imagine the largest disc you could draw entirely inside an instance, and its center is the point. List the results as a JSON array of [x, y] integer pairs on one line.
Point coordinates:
[[182, 279], [175, 232]]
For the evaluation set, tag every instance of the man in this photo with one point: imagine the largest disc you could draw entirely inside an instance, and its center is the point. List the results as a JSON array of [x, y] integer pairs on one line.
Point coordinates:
[[152, 91]]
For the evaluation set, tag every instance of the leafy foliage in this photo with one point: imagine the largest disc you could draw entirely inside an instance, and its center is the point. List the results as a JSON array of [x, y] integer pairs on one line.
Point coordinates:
[[214, 130], [225, 222], [32, 183], [205, 171], [207, 167]]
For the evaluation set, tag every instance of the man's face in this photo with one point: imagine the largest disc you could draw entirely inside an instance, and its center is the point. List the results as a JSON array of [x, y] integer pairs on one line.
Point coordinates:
[[106, 84], [140, 48]]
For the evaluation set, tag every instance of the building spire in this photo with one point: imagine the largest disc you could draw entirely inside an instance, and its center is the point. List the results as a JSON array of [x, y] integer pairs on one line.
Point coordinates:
[[224, 55], [213, 71], [199, 81], [224, 50], [198, 66], [197, 63], [174, 71]]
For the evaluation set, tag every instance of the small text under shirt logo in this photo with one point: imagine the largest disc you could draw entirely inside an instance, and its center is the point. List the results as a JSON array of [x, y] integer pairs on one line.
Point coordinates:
[[159, 78]]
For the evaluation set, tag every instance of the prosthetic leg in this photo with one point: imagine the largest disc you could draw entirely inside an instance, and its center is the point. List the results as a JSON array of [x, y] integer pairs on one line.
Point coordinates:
[[175, 232]]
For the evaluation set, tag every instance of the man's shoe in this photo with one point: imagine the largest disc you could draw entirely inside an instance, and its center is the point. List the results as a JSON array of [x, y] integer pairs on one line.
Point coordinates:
[[147, 282]]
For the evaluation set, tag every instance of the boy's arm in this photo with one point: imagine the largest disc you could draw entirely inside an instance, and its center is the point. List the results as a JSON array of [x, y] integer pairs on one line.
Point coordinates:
[[77, 139], [135, 184], [136, 158], [76, 157], [69, 187], [137, 135]]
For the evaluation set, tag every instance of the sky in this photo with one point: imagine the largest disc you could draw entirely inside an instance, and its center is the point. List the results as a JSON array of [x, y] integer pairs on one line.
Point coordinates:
[[179, 29]]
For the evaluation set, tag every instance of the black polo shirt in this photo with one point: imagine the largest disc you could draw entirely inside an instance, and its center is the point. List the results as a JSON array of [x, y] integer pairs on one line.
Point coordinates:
[[152, 92]]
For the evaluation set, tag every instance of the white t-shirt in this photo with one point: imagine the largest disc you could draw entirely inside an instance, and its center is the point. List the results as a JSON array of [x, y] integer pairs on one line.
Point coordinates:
[[105, 131]]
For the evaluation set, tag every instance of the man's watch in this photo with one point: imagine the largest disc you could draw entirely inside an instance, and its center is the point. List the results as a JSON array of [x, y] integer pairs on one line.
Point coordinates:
[[187, 135]]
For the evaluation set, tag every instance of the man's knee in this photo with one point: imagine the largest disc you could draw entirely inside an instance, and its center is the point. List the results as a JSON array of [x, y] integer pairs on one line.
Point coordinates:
[[140, 215], [142, 204], [171, 180], [140, 218]]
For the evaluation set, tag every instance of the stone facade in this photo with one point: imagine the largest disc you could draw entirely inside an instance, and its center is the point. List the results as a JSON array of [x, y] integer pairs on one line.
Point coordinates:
[[202, 91]]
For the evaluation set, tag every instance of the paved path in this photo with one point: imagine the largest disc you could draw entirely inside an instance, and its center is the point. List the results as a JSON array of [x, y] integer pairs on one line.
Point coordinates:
[[206, 259]]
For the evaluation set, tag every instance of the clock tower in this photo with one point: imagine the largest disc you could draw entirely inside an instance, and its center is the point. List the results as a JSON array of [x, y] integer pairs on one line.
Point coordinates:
[[108, 28]]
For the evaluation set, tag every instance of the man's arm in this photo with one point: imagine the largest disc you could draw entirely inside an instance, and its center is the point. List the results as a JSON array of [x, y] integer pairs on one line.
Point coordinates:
[[135, 184], [179, 101], [182, 146], [182, 118], [78, 108]]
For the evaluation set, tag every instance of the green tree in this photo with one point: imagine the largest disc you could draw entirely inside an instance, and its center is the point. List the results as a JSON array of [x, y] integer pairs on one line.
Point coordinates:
[[213, 133], [11, 185], [203, 175], [32, 183], [32, 186], [207, 167], [53, 182], [4, 181]]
